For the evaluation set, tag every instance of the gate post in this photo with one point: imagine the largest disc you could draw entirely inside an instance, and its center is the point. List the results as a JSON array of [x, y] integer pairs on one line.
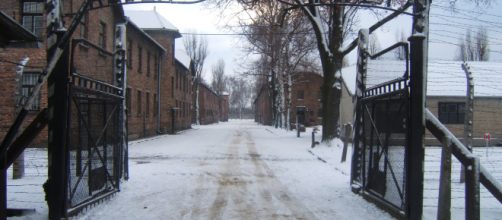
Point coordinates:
[[415, 152], [57, 83]]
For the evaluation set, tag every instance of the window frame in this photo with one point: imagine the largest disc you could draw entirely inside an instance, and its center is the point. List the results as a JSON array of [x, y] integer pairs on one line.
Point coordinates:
[[451, 112], [27, 89], [33, 15]]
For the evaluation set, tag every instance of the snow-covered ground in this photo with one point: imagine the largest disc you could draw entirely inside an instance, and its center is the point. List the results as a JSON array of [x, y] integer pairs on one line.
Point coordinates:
[[232, 170]]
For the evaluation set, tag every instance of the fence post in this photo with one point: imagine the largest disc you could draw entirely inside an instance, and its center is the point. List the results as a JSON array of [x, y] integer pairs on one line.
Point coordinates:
[[362, 61], [472, 189], [348, 133], [444, 199], [469, 114], [3, 192]]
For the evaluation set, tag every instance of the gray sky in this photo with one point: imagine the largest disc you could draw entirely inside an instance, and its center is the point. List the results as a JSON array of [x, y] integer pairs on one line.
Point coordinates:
[[446, 27]]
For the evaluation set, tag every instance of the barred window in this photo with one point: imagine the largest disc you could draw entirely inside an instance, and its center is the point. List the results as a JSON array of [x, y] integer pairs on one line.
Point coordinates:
[[128, 101], [102, 35], [129, 53], [148, 63], [140, 59], [147, 104], [451, 112], [29, 80], [33, 16], [139, 103]]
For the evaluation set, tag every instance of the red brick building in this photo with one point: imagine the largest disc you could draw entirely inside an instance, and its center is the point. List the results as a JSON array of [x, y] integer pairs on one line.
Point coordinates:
[[212, 107], [305, 100], [155, 87], [92, 55]]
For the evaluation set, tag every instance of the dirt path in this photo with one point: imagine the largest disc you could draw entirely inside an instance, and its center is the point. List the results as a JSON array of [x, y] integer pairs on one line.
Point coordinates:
[[247, 188]]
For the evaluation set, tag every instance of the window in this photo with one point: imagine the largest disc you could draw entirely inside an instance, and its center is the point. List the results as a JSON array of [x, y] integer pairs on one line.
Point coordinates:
[[177, 77], [172, 86], [156, 105], [139, 103], [147, 104], [451, 112], [299, 94], [156, 67], [129, 53], [33, 16], [84, 30], [128, 101], [140, 55], [102, 35], [29, 80], [148, 63]]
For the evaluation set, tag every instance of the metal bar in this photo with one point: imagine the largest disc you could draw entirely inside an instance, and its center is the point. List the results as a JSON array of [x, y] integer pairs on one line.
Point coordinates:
[[392, 47], [472, 189], [377, 25], [416, 130]]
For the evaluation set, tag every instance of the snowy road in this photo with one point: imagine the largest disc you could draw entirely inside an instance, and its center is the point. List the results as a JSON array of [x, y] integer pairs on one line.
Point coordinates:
[[233, 170]]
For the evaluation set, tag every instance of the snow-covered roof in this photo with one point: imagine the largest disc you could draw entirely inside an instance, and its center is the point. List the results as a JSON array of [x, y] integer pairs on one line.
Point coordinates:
[[445, 78], [182, 56], [150, 20]]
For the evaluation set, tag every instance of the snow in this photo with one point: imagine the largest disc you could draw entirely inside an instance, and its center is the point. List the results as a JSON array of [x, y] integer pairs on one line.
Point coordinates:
[[182, 57], [150, 20], [238, 170]]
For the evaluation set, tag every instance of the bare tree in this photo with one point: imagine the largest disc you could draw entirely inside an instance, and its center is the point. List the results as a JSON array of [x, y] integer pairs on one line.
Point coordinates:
[[285, 48], [240, 93], [473, 49], [374, 44], [196, 48], [482, 45], [218, 82]]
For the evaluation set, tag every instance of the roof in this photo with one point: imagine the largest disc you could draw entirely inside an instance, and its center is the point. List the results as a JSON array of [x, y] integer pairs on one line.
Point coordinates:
[[182, 57], [444, 78], [135, 26], [150, 20], [13, 31]]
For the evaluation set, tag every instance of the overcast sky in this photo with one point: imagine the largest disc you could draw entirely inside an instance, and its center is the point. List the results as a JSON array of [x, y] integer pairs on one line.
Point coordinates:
[[446, 27]]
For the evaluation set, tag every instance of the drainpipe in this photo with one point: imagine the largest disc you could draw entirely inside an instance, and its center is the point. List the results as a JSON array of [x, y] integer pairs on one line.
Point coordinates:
[[159, 67]]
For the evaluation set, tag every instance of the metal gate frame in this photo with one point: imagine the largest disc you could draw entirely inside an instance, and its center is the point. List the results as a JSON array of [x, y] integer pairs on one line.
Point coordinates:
[[371, 165]]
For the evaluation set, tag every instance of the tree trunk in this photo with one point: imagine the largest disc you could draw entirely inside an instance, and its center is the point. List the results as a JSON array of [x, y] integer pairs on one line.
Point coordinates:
[[197, 114]]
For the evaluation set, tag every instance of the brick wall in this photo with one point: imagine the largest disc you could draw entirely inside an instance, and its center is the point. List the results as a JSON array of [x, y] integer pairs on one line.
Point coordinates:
[[142, 83], [487, 118], [209, 105], [183, 97], [167, 78]]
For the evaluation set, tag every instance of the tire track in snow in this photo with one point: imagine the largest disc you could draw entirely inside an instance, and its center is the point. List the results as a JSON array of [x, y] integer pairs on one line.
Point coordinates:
[[274, 189]]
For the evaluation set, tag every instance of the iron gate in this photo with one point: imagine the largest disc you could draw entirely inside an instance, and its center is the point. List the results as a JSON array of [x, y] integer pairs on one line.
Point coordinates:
[[94, 143], [381, 130]]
